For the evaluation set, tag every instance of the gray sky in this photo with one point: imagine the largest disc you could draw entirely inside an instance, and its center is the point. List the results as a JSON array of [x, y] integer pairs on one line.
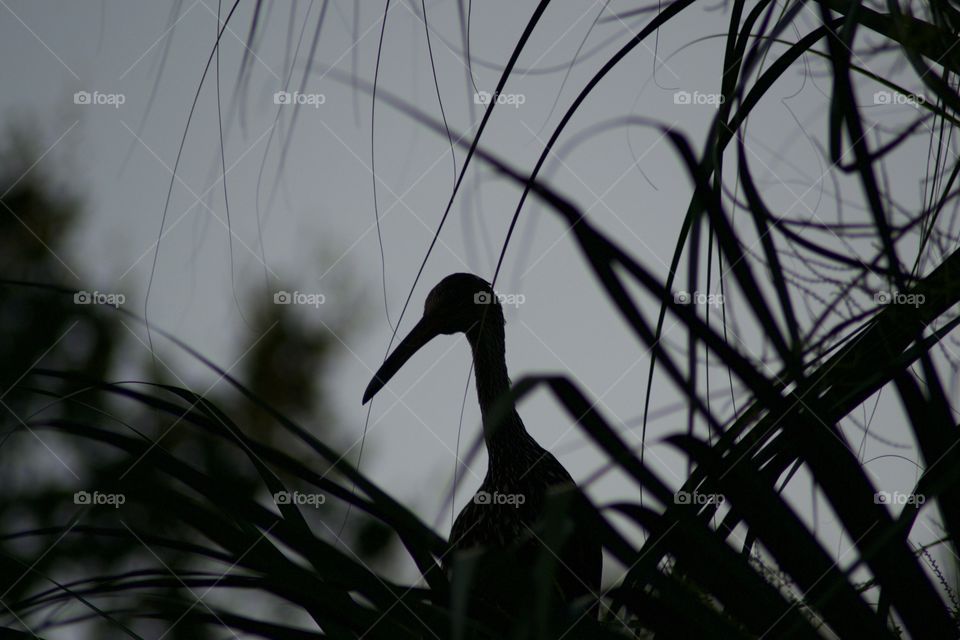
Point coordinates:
[[317, 216]]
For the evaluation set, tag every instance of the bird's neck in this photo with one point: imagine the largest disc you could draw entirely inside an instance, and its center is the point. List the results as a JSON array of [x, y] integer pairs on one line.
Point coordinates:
[[503, 436]]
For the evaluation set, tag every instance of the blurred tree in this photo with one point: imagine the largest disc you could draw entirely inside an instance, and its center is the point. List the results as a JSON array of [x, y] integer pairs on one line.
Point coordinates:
[[55, 351]]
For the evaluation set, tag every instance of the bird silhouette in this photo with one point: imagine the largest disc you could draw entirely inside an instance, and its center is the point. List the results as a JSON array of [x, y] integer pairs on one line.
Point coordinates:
[[508, 513]]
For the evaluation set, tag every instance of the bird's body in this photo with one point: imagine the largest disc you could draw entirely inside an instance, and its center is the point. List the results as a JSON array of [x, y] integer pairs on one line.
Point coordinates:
[[506, 517], [512, 524]]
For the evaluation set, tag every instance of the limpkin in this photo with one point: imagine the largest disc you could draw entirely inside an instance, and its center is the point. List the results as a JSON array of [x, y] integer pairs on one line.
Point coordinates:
[[517, 464]]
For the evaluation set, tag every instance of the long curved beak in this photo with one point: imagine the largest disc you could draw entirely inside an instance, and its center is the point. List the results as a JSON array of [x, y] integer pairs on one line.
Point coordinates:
[[424, 331]]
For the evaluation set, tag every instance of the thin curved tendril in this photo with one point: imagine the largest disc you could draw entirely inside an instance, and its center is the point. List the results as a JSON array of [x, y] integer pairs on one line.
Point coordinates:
[[176, 165]]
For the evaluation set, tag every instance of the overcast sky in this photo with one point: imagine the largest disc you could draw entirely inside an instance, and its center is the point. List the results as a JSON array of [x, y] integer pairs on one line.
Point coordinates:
[[85, 73]]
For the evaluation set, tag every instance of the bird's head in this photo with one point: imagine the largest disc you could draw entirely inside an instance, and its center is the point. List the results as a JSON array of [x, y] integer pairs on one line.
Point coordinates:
[[460, 303]]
